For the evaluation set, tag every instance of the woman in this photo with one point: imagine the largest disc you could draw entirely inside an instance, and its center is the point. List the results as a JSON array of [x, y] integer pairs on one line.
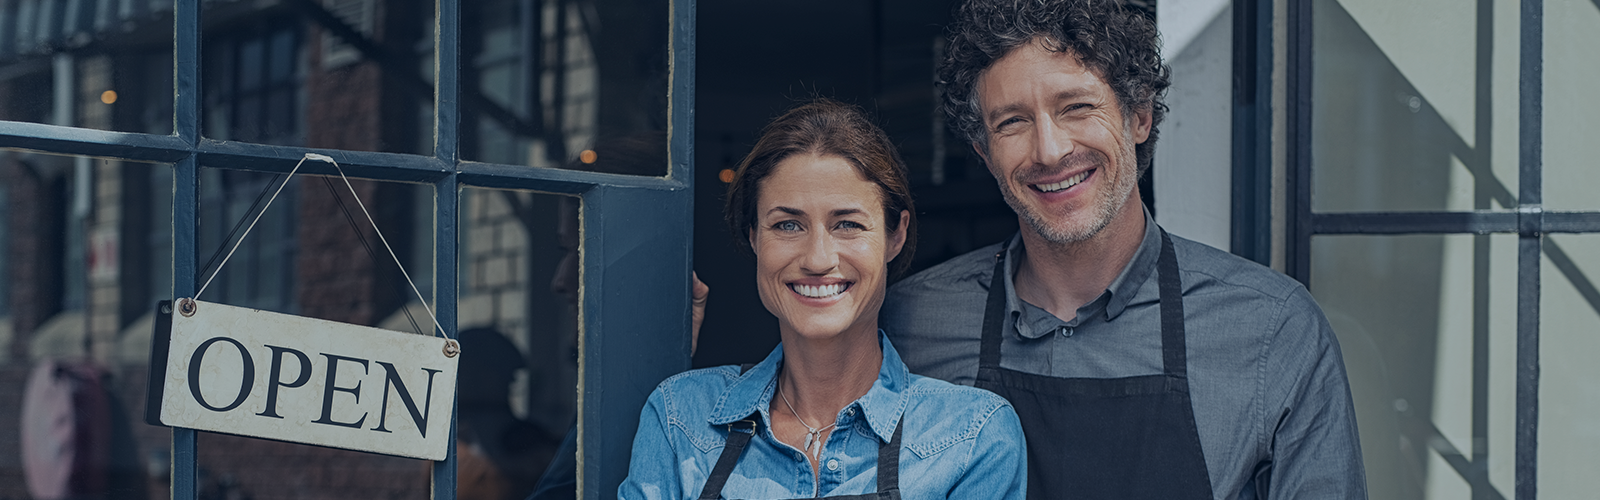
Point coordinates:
[[824, 204]]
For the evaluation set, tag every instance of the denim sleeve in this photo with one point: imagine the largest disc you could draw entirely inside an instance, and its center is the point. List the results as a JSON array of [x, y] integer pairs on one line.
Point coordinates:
[[1315, 449], [652, 470], [998, 467]]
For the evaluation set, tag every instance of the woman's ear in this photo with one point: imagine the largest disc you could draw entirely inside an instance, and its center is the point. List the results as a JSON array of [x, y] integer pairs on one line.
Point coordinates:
[[897, 238]]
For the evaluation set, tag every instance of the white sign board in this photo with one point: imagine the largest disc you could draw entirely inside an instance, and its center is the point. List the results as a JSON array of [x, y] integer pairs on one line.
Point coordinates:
[[255, 373]]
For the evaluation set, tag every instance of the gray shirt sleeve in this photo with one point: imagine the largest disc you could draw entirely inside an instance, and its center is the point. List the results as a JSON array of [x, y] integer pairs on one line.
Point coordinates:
[[1310, 422]]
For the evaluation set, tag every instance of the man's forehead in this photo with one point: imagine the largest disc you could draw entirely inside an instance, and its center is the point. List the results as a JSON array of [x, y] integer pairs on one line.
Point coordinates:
[[1028, 63]]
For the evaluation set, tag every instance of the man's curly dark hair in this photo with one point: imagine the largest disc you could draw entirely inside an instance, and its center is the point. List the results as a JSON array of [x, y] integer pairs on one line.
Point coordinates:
[[1118, 43]]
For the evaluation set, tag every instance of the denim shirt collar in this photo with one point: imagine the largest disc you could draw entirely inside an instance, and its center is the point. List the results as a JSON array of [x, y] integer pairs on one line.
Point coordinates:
[[882, 405], [1117, 295]]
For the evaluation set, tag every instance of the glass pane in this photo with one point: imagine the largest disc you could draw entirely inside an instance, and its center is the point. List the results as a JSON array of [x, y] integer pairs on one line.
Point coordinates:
[[337, 74], [1427, 325], [1414, 106], [93, 64], [1571, 111], [565, 84], [87, 253], [313, 253], [1569, 337], [519, 312]]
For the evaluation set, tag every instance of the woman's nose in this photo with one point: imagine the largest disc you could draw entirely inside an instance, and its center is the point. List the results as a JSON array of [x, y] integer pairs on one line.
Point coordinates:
[[821, 255]]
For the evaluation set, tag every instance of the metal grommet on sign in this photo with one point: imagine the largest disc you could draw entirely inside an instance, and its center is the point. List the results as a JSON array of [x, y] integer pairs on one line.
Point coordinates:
[[187, 306], [451, 348]]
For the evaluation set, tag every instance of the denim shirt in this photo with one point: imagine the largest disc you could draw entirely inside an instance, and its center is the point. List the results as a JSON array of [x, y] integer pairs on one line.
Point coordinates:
[[958, 441]]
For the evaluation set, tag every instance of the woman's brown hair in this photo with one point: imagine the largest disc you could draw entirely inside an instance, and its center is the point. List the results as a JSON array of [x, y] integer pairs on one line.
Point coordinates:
[[825, 127]]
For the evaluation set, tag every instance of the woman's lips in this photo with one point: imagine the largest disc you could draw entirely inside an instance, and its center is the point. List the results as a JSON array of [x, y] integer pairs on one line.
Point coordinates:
[[820, 291]]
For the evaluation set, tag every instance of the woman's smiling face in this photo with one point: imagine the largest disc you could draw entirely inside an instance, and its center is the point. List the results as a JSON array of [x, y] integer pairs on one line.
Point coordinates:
[[822, 246]]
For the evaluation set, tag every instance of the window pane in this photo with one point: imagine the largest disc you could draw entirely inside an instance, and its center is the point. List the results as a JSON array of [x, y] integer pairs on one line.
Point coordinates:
[[1569, 337], [337, 74], [1414, 106], [1427, 325], [557, 83], [1571, 111], [88, 253], [519, 339], [313, 253], [93, 64]]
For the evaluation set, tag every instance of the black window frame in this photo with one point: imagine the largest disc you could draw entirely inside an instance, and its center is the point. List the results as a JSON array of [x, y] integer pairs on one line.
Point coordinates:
[[634, 328], [1526, 217]]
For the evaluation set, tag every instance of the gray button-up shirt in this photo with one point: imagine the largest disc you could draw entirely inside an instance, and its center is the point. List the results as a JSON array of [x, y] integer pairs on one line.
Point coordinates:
[[1266, 377]]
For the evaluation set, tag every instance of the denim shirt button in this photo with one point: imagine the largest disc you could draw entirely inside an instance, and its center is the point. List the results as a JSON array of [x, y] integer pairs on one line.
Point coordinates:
[[833, 464], [851, 411]]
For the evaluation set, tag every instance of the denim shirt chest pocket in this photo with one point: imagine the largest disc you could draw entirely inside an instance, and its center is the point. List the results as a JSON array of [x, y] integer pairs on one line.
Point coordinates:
[[686, 405], [942, 435]]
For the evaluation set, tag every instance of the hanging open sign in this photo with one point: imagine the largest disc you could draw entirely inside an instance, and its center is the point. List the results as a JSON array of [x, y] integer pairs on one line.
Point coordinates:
[[236, 370], [291, 378]]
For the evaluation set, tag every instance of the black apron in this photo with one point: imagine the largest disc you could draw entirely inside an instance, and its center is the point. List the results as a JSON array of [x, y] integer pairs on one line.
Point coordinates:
[[1119, 438], [888, 462]]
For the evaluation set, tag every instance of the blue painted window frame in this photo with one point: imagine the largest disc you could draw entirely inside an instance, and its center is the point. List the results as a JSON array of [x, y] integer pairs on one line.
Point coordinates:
[[633, 334]]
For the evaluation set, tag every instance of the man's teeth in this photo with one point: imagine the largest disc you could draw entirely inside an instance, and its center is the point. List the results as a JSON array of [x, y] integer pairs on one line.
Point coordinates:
[[819, 291], [1071, 181]]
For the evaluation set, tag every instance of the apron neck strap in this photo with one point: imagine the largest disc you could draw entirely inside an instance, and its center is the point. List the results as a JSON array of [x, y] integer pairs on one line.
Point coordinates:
[[994, 314], [1174, 353]]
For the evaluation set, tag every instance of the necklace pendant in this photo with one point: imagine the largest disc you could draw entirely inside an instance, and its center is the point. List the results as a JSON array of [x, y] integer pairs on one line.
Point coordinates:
[[810, 436]]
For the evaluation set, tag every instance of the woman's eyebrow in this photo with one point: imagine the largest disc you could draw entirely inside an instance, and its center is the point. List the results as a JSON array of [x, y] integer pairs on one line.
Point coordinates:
[[787, 210], [846, 211]]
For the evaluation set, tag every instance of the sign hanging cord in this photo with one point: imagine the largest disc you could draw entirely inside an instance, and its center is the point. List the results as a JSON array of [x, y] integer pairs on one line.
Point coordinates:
[[375, 229]]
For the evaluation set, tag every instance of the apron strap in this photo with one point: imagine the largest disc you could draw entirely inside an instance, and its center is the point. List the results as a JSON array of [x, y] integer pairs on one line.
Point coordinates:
[[1174, 353], [994, 314], [889, 461], [737, 440]]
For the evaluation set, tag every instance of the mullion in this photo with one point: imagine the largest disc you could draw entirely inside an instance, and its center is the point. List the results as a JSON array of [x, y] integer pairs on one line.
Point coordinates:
[[185, 207], [446, 149], [1530, 146], [1297, 118]]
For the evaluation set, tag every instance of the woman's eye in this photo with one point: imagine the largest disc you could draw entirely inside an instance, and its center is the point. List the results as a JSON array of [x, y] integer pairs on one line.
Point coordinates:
[[787, 225], [851, 225]]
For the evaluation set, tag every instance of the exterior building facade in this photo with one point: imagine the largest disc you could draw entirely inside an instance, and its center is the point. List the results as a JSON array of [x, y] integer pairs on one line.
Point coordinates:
[[546, 172]]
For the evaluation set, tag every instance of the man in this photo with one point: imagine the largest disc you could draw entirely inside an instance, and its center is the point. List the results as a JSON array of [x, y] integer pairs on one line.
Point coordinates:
[[1143, 365]]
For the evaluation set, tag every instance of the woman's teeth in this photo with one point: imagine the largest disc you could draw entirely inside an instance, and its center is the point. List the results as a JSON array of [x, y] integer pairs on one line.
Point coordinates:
[[819, 291], [1071, 181]]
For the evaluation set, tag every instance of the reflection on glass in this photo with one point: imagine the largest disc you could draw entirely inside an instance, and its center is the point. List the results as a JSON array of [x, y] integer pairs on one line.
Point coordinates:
[[1427, 325], [1571, 110], [338, 74], [1568, 339], [85, 254], [91, 64], [1406, 113], [561, 83], [518, 313], [313, 253]]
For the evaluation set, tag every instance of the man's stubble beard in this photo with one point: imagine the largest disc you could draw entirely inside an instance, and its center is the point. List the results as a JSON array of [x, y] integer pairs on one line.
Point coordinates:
[[1105, 207]]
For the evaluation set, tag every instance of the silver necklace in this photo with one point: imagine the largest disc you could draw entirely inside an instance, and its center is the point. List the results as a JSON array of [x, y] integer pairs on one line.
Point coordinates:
[[813, 445]]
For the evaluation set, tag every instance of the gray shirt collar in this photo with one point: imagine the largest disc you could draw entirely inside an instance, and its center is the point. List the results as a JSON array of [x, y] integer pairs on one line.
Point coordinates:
[[1112, 302]]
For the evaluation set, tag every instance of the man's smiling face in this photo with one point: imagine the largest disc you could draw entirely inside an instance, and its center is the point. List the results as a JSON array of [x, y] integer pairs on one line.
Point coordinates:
[[1060, 146]]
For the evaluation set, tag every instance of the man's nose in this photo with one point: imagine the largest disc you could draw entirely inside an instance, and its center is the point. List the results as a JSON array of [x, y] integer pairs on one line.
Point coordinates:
[[1051, 143], [821, 254]]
